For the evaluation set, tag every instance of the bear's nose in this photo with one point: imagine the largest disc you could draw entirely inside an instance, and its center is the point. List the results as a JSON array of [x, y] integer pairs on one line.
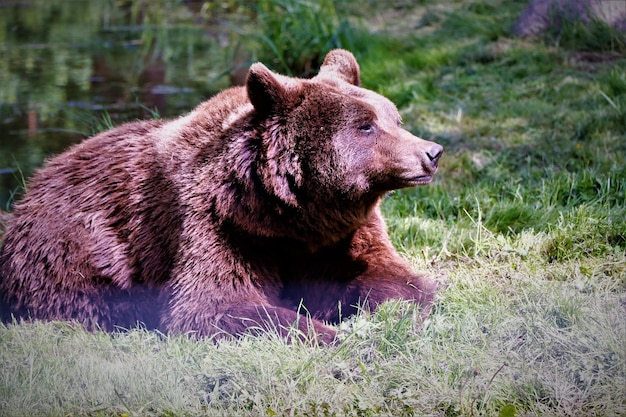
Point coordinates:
[[434, 153]]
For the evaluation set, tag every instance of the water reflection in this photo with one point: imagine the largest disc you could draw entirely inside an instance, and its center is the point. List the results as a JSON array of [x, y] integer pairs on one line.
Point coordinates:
[[68, 65]]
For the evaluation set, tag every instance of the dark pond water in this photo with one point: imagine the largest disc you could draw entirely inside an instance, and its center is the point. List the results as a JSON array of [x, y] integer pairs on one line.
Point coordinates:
[[67, 67]]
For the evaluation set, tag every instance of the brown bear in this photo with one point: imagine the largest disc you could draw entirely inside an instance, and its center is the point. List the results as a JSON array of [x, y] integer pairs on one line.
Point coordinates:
[[254, 211]]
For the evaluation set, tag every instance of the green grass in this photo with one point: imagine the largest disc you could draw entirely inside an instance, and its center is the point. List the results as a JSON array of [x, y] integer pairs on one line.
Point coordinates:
[[290, 36], [525, 226]]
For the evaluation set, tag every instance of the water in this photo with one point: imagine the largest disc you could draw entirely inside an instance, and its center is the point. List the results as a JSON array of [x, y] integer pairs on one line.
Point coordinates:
[[67, 66]]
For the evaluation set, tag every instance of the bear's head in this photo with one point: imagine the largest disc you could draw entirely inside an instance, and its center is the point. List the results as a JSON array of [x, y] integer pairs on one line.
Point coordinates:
[[327, 142]]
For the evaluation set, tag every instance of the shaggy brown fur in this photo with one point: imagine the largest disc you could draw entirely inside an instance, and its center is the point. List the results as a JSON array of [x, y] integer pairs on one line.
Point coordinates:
[[226, 220]]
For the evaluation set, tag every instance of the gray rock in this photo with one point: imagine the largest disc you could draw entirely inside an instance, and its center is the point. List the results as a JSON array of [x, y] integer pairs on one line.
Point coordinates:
[[541, 15]]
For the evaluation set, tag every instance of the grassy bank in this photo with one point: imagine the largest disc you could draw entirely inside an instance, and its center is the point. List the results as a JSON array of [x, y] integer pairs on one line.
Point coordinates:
[[525, 226]]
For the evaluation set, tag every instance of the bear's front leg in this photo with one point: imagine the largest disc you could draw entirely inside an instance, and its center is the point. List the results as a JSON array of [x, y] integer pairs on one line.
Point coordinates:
[[386, 275], [244, 318], [392, 281], [236, 318]]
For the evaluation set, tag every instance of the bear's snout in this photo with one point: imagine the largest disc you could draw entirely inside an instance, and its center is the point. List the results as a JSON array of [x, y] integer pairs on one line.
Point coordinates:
[[434, 153], [413, 162]]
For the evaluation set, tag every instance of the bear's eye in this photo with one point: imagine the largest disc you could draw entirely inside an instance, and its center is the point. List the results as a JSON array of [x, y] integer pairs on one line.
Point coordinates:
[[366, 128]]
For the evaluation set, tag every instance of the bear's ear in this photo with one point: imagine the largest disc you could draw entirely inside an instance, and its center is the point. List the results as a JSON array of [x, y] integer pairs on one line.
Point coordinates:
[[342, 63], [265, 91]]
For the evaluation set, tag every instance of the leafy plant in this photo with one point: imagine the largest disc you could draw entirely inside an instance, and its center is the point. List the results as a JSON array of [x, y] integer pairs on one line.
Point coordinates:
[[292, 36]]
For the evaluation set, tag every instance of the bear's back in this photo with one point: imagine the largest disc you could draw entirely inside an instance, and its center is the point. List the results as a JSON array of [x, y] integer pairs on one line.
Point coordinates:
[[102, 210]]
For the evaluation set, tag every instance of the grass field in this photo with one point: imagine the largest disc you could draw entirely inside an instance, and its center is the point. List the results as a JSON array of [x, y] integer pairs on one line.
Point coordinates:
[[525, 227]]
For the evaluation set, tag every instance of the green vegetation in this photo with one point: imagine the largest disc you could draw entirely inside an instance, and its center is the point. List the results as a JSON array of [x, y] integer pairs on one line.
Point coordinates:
[[593, 36], [525, 227], [289, 36], [294, 35]]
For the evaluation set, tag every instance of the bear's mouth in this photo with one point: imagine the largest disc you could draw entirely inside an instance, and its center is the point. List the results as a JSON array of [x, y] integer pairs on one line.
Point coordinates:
[[420, 180]]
